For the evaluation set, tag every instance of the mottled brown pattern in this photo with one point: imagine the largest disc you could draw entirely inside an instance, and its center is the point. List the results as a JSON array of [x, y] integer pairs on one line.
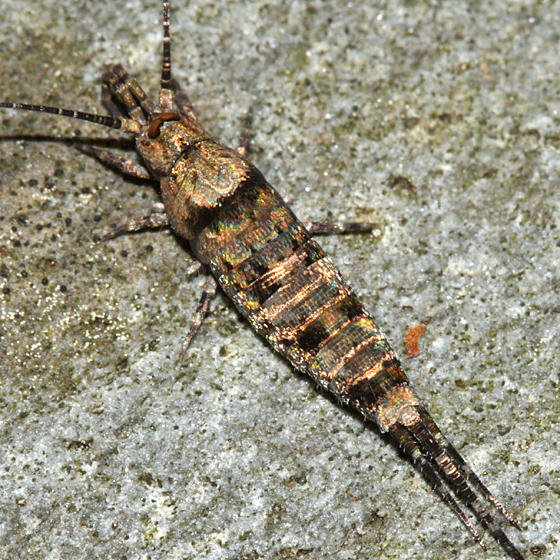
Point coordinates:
[[295, 297]]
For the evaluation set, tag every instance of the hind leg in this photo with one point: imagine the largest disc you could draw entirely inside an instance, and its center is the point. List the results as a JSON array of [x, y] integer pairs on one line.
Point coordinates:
[[208, 294]]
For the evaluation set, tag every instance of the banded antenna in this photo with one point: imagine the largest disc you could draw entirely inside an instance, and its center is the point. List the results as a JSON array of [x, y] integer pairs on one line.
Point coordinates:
[[126, 125]]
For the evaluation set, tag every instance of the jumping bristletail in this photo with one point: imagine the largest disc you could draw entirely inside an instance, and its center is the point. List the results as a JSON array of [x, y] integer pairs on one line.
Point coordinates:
[[265, 260]]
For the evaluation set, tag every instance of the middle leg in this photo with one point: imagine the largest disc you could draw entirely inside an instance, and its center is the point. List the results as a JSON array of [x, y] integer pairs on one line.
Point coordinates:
[[156, 220], [338, 228]]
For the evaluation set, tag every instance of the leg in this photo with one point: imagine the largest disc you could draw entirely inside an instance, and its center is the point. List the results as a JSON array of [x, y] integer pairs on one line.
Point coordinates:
[[182, 100], [115, 161], [153, 221], [195, 269], [337, 228], [208, 294], [245, 136]]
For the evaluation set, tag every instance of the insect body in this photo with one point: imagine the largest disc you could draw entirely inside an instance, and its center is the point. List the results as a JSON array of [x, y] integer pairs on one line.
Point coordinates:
[[266, 261]]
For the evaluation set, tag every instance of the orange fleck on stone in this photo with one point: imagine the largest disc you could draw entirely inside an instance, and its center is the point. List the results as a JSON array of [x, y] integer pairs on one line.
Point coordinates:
[[411, 339]]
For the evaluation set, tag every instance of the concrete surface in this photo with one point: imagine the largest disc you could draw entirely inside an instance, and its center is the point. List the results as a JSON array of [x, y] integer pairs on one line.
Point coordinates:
[[440, 121]]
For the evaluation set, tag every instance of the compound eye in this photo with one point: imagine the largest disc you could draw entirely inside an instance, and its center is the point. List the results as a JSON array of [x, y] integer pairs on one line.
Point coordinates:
[[155, 126]]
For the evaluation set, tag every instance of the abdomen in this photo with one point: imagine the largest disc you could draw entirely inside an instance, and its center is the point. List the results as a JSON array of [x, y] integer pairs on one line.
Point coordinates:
[[281, 281]]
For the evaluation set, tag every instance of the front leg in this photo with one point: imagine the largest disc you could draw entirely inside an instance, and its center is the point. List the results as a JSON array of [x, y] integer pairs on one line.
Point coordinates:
[[115, 161]]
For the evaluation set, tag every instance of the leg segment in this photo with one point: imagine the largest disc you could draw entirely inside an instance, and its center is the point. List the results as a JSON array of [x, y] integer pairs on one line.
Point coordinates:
[[208, 294], [195, 269], [115, 161], [153, 221], [337, 228], [159, 220], [245, 136]]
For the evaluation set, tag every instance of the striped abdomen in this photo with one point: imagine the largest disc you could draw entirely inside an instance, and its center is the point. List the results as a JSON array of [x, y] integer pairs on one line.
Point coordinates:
[[280, 279]]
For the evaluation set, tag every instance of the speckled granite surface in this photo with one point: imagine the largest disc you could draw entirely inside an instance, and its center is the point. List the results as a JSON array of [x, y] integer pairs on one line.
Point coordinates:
[[438, 121]]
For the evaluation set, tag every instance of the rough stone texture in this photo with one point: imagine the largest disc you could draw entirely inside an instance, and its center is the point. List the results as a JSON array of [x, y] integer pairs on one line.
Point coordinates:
[[440, 121]]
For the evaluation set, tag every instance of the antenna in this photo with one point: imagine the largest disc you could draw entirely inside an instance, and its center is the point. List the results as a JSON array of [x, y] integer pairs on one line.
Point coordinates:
[[126, 125], [165, 94]]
